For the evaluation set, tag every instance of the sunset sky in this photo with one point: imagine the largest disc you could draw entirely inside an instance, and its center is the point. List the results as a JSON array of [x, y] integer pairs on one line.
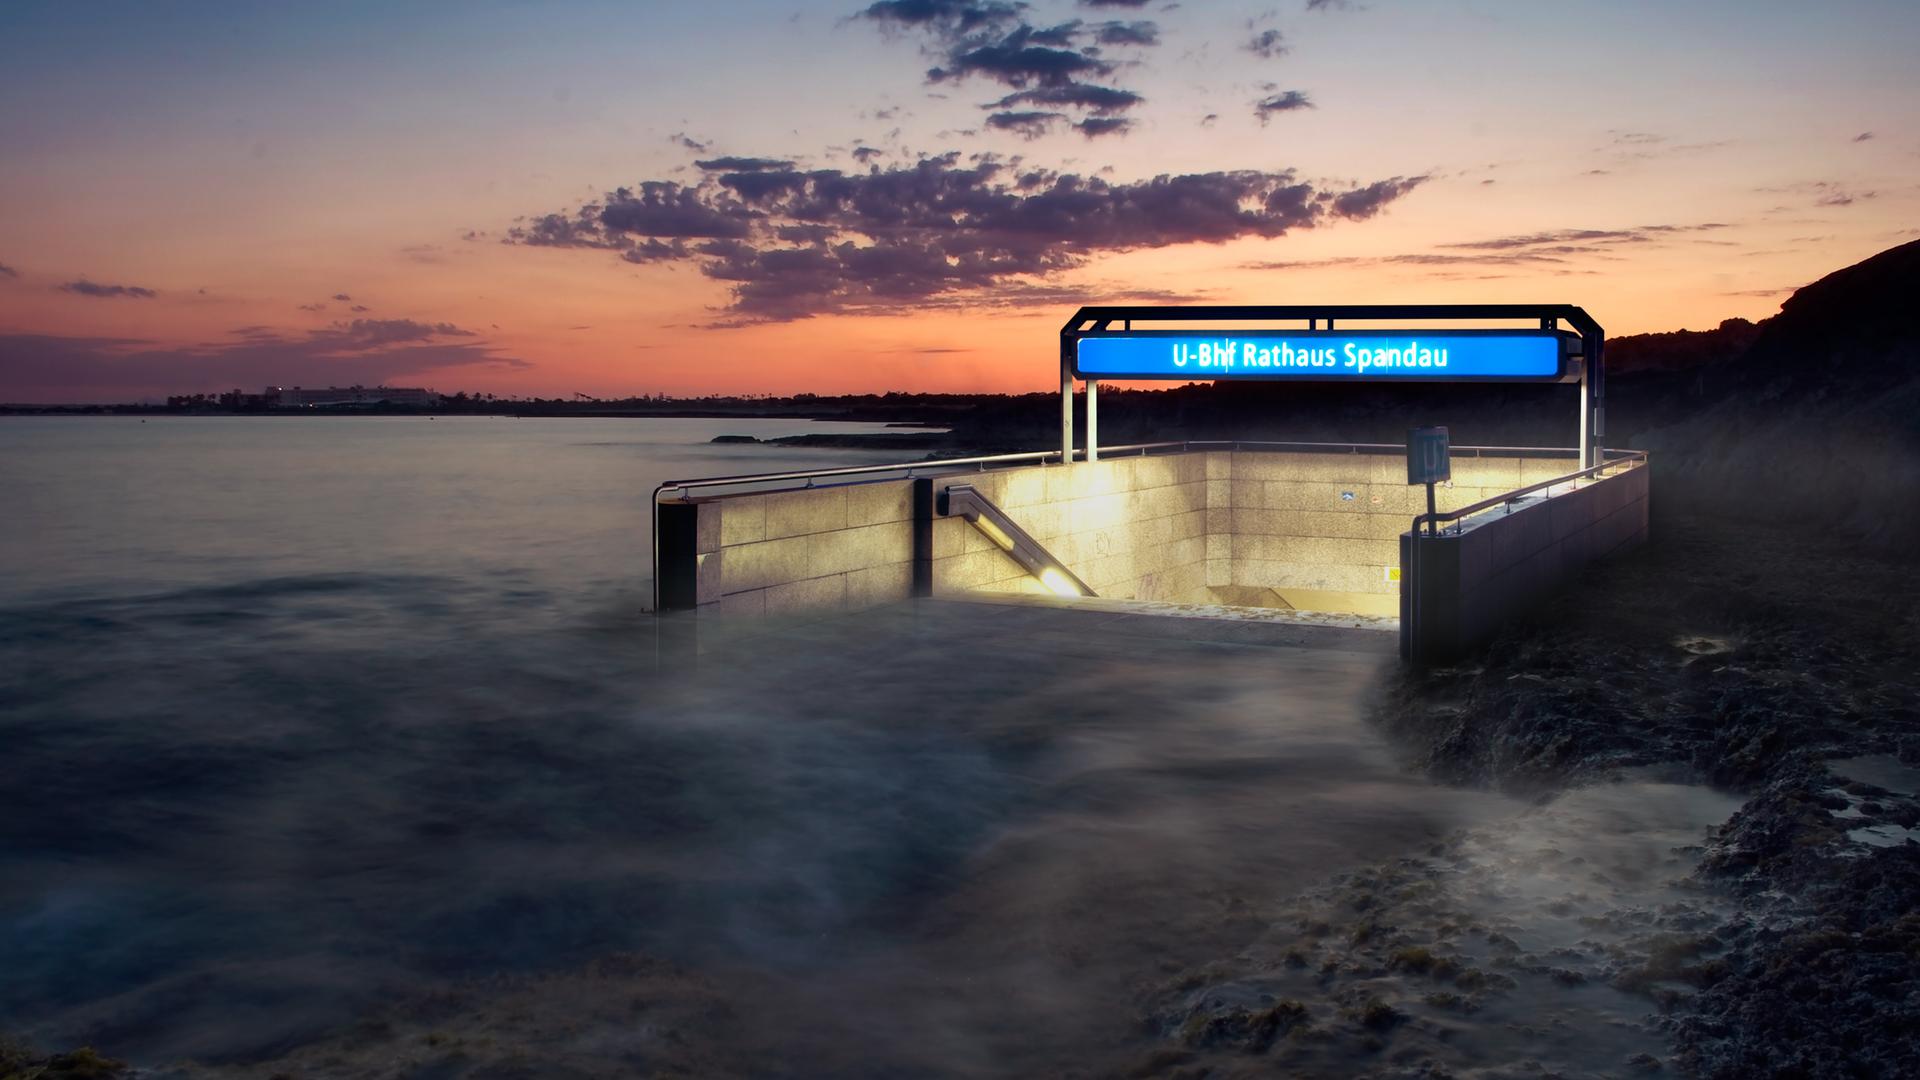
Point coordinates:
[[749, 196]]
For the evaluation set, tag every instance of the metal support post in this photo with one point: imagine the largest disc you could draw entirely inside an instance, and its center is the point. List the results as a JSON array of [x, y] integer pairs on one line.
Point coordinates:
[[1066, 415], [1093, 420], [1586, 415]]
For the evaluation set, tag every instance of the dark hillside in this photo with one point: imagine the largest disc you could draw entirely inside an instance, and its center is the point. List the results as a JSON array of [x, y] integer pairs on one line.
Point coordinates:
[[1820, 418]]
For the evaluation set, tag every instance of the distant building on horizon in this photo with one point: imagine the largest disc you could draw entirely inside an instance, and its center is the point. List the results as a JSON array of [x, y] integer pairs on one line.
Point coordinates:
[[297, 397]]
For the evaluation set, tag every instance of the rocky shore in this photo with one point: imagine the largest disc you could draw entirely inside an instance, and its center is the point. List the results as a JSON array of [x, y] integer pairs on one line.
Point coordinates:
[[1764, 659], [1721, 879]]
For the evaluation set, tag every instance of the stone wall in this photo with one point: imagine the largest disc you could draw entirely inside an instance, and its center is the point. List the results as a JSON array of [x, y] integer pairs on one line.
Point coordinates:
[[1332, 522], [839, 548], [1132, 528], [1164, 527], [1461, 586]]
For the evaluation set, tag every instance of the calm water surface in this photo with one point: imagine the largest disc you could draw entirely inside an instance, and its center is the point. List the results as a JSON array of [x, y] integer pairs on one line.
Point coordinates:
[[120, 505]]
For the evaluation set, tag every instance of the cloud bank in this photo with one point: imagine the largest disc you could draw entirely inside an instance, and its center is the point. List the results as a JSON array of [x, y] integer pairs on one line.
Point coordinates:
[[108, 292], [1049, 67], [794, 243], [43, 367]]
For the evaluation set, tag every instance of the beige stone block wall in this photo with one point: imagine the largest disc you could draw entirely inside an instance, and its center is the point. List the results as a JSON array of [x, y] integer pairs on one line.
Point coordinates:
[[1162, 528], [1332, 521], [1131, 528], [823, 549]]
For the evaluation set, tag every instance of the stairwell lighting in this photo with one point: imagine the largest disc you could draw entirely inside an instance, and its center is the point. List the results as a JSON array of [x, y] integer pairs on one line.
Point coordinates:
[[1058, 583]]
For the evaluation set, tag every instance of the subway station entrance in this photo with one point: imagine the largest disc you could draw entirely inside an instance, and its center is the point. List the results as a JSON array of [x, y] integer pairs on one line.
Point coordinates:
[[1315, 531]]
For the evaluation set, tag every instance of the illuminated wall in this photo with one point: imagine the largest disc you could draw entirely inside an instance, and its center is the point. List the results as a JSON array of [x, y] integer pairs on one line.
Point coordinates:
[[1203, 527]]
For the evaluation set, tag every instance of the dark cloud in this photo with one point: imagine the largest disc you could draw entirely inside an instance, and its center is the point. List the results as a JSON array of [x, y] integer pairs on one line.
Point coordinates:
[[1028, 125], [1024, 57], [1267, 44], [1028, 294], [1833, 193], [1100, 100], [1426, 260], [1555, 237], [1863, 136], [1588, 238], [1141, 33], [742, 164], [688, 142], [342, 297], [1331, 5], [655, 250], [948, 17], [36, 367], [1132, 4], [377, 333], [826, 240], [8, 271], [1363, 203], [1287, 101], [1095, 126], [555, 230], [866, 155], [1556, 250], [360, 307], [88, 288], [313, 307], [660, 209], [1049, 67]]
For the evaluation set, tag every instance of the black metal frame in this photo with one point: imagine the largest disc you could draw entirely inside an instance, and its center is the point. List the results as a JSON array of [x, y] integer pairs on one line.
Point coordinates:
[[1570, 346], [1098, 319]]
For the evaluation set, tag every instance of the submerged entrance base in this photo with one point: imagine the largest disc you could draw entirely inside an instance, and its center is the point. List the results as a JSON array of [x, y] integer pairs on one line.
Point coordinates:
[[1279, 527]]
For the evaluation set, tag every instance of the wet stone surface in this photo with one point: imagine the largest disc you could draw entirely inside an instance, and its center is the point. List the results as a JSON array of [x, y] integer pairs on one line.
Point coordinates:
[[1768, 661], [1544, 945]]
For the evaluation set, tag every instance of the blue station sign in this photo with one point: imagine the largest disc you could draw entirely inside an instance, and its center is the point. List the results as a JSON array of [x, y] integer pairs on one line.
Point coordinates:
[[1417, 355]]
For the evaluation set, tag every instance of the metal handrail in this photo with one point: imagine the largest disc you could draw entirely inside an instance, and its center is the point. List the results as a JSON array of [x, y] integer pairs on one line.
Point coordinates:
[[1042, 456], [980, 463], [1622, 457], [1383, 448], [854, 470]]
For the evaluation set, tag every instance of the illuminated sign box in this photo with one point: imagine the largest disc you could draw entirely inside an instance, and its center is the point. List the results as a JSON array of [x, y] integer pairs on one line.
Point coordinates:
[[1412, 355]]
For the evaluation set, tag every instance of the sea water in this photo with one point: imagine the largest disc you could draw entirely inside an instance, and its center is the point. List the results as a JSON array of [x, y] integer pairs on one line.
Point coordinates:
[[344, 747]]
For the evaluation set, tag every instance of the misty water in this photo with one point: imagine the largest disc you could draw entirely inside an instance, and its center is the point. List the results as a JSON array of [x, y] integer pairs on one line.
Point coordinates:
[[345, 747]]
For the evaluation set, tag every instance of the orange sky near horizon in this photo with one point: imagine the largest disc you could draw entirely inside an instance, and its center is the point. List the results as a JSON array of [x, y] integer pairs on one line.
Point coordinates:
[[186, 196]]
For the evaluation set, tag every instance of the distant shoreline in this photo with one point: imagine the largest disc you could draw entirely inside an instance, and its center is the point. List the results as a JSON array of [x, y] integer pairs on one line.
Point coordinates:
[[818, 415]]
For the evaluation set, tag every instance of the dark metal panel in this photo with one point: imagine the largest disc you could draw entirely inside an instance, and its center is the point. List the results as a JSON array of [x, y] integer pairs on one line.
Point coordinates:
[[676, 584], [923, 536]]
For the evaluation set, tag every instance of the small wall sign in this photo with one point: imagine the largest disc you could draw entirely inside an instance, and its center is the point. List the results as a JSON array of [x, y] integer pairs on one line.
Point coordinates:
[[1427, 456]]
